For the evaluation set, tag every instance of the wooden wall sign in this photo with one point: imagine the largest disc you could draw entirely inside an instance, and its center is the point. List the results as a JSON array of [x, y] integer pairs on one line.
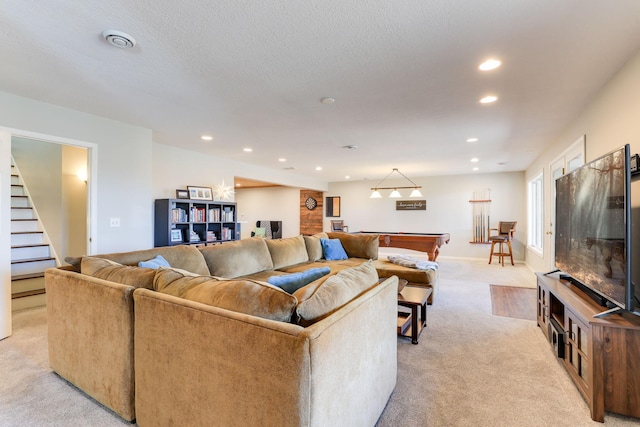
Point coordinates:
[[411, 205]]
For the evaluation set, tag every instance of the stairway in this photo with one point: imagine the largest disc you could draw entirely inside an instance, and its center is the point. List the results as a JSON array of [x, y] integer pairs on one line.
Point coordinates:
[[31, 253]]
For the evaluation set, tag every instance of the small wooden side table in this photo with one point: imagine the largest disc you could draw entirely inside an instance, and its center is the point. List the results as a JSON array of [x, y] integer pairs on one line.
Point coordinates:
[[414, 298]]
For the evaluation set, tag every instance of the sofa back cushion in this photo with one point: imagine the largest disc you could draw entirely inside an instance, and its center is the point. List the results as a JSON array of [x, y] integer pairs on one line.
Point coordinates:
[[314, 248], [329, 295], [242, 296], [239, 258], [182, 256], [102, 268], [288, 251], [359, 245]]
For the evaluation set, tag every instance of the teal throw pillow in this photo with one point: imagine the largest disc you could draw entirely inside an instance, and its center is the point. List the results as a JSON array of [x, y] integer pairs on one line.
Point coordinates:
[[294, 281], [332, 249], [155, 263]]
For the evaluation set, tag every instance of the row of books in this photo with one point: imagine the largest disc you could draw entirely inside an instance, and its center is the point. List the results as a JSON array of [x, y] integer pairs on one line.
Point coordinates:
[[200, 215]]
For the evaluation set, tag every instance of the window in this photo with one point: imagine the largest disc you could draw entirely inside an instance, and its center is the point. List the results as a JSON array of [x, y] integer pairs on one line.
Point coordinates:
[[535, 234]]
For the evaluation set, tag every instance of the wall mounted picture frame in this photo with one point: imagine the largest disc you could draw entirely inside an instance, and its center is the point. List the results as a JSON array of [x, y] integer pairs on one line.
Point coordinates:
[[200, 193], [176, 235], [182, 194], [332, 207]]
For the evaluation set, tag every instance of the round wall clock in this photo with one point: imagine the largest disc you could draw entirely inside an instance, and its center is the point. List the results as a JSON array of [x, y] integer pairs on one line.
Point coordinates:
[[311, 203]]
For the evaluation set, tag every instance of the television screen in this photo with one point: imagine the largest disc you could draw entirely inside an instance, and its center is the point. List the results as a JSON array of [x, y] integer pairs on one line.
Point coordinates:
[[592, 219]]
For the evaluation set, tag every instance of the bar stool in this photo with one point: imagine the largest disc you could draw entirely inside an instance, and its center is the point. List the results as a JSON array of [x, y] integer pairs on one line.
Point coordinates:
[[505, 235]]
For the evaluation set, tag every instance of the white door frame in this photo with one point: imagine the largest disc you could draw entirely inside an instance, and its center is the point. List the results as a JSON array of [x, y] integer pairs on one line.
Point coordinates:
[[5, 209], [570, 159]]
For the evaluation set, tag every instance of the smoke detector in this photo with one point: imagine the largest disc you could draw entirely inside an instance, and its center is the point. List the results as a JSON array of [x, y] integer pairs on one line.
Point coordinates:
[[119, 39]]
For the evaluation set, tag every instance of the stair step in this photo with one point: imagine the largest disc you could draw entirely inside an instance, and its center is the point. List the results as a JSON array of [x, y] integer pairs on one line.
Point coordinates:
[[41, 251], [28, 293], [17, 190], [22, 225], [22, 213], [23, 303], [29, 266], [27, 238], [27, 284], [19, 201], [27, 276], [15, 179]]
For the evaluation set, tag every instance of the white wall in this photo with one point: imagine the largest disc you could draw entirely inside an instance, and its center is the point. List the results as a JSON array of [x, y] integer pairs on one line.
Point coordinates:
[[609, 121], [174, 168], [269, 204], [448, 209]]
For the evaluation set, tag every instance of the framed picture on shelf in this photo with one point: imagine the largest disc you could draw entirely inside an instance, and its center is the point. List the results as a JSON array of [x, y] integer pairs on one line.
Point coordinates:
[[182, 194], [200, 193], [176, 235]]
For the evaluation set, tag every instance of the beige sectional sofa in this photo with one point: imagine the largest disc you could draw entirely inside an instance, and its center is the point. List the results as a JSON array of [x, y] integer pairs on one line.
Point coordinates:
[[167, 346]]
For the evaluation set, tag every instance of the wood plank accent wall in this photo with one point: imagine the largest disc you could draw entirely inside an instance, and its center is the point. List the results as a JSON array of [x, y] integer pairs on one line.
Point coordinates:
[[311, 220]]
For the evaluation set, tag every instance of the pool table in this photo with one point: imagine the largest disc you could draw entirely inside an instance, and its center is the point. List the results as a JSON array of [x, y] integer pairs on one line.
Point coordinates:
[[424, 242]]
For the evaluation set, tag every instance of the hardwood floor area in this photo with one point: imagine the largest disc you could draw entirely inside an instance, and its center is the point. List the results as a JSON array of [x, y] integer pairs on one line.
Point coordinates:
[[508, 301]]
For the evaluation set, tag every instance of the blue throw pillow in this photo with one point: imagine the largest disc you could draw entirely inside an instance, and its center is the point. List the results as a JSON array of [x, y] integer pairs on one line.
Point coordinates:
[[155, 263], [332, 249], [294, 281]]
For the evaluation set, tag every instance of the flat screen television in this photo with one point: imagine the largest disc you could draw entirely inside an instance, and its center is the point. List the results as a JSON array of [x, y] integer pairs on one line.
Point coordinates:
[[593, 229]]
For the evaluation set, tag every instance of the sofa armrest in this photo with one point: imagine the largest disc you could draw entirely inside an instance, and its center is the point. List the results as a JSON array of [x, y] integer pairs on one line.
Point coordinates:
[[354, 359], [90, 336]]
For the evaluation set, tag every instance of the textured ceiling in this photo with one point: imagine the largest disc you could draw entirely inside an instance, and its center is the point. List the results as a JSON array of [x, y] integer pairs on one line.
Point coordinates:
[[251, 74]]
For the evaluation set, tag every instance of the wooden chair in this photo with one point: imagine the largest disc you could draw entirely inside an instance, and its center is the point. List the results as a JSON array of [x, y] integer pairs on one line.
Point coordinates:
[[505, 234], [337, 225]]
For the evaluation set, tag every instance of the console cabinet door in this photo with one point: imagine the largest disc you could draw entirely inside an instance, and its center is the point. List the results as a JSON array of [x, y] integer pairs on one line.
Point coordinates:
[[577, 357], [543, 310]]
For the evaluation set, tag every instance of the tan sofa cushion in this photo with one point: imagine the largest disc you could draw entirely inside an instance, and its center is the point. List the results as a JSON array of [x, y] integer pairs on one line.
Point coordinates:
[[334, 292], [242, 296], [286, 252], [314, 248], [239, 258], [358, 245], [185, 257], [110, 270]]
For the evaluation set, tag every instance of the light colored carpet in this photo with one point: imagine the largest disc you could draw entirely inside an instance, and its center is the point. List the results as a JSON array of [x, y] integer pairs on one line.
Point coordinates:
[[470, 369]]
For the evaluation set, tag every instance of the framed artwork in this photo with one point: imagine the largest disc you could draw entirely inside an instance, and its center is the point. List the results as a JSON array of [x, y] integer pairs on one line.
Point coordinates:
[[333, 207], [182, 194], [176, 235], [200, 193]]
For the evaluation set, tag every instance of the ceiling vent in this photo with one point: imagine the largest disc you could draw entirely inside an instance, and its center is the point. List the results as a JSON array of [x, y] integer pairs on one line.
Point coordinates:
[[119, 39]]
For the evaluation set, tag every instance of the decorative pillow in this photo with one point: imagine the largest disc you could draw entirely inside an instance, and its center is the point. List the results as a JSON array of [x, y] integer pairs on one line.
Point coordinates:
[[286, 252], [155, 263], [333, 250], [314, 248], [109, 270], [294, 281], [243, 296], [359, 245], [335, 292]]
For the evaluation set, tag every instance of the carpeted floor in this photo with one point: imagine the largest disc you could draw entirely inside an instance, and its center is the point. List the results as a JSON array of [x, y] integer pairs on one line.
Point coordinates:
[[471, 368]]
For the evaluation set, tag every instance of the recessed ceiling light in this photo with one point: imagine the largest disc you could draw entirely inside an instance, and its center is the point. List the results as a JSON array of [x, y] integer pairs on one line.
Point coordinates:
[[282, 159], [472, 140], [327, 100], [318, 168], [475, 169], [206, 137], [490, 64], [247, 150], [488, 99], [347, 177], [474, 160]]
